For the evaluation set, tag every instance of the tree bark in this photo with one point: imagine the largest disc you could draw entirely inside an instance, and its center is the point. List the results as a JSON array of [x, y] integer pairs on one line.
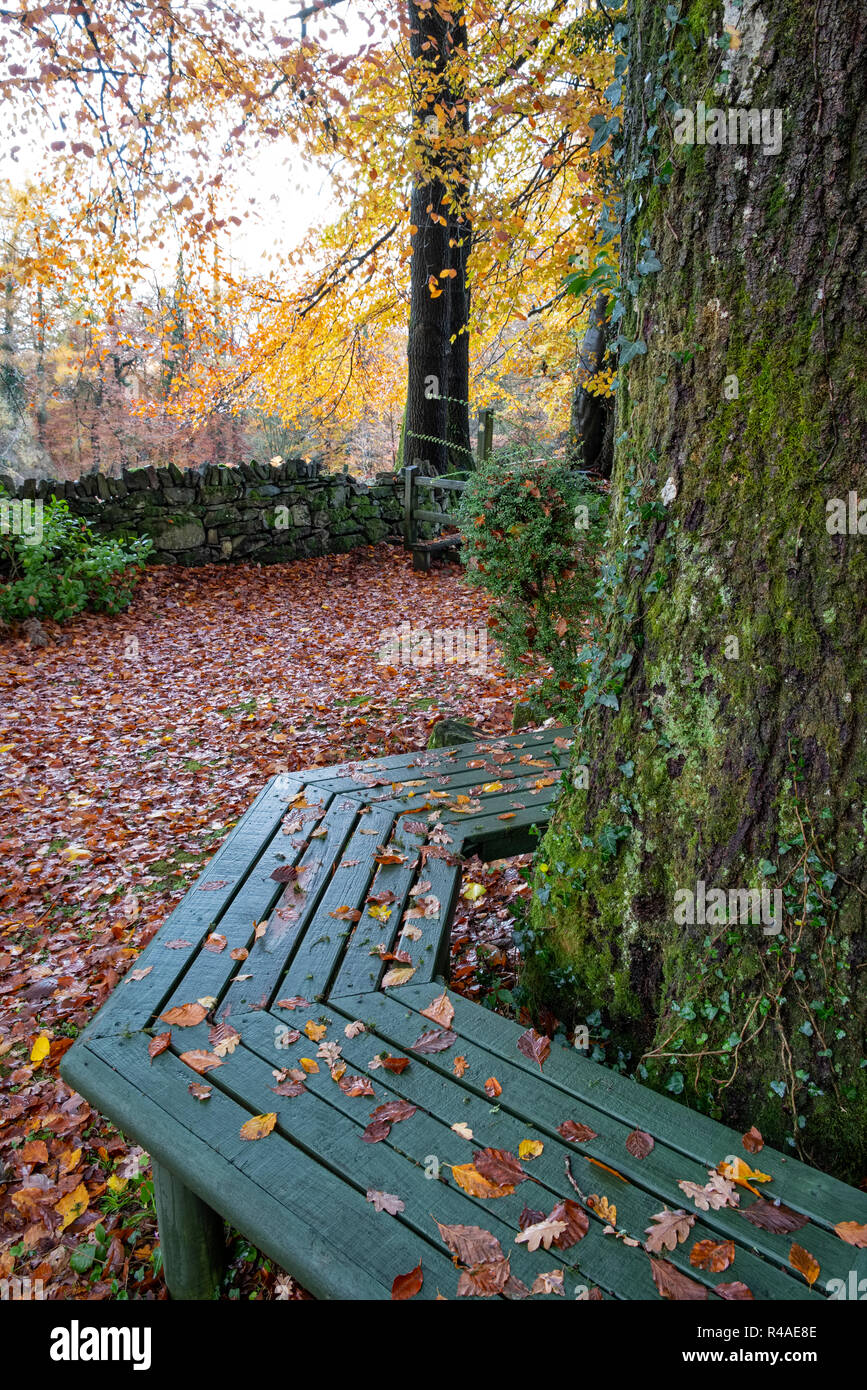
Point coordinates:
[[724, 733], [437, 369]]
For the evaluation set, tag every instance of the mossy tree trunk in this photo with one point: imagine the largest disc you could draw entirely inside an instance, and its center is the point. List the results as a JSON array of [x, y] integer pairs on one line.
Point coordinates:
[[724, 734]]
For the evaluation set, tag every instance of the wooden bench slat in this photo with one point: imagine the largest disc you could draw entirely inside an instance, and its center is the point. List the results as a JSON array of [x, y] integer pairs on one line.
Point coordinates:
[[546, 1106], [605, 1261], [294, 1211]]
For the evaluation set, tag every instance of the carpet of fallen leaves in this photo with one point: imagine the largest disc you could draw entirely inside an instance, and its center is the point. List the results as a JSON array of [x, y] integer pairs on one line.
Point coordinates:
[[130, 745]]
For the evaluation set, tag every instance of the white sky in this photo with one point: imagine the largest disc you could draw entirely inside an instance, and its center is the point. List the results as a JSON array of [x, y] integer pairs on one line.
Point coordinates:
[[278, 196]]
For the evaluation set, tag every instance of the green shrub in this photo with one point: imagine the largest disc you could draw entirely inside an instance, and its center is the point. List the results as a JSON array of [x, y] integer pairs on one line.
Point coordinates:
[[527, 543], [66, 569]]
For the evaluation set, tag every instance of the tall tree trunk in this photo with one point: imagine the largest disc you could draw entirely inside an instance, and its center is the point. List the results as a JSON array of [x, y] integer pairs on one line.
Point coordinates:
[[438, 369], [460, 246], [724, 733]]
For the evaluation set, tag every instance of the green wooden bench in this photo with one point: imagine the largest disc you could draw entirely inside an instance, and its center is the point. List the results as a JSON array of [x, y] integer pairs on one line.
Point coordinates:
[[312, 856]]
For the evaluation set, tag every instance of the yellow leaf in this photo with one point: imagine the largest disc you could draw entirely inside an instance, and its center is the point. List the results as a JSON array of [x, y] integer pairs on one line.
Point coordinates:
[[741, 1173], [466, 1176], [530, 1148], [381, 912], [116, 1184], [309, 1065], [473, 892], [70, 1160], [315, 1031], [492, 787], [41, 1049], [398, 976], [259, 1126], [72, 1205]]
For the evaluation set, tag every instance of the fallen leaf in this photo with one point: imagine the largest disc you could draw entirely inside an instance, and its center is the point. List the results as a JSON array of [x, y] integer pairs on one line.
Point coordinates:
[[671, 1228], [530, 1148], [289, 1089], [551, 1282], [407, 1285], [159, 1044], [398, 976], [805, 1263], [309, 1065], [440, 1011], [576, 1133], [40, 1049], [356, 1086], [200, 1092], [774, 1216], [296, 1002], [184, 1015], [485, 1280], [352, 1030], [201, 1061], [472, 1244], [72, 1205], [437, 1040], [386, 1201], [535, 1046], [732, 1291], [396, 1065], [753, 1141], [459, 1066], [852, 1233], [315, 1031], [472, 1181], [543, 1233], [717, 1193], [493, 1087], [712, 1255], [575, 1220], [639, 1143], [499, 1166], [674, 1285], [463, 1130], [259, 1126]]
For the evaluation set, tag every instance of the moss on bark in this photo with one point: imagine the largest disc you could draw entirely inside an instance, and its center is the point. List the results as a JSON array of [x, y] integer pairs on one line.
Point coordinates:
[[736, 625]]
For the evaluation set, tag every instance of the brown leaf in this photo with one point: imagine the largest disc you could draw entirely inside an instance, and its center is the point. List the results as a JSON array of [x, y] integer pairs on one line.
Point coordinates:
[[223, 1038], [159, 1044], [485, 1281], [437, 1040], [185, 1015], [671, 1228], [577, 1223], [376, 1131], [407, 1285], [35, 1152], [529, 1217], [852, 1233], [550, 1282], [493, 1087], [499, 1166], [290, 1089], [201, 1061], [774, 1216], [459, 1066], [200, 1092], [440, 1011], [576, 1133], [397, 1065], [674, 1285], [393, 1111], [805, 1263], [356, 1086], [753, 1141], [639, 1143], [535, 1045], [733, 1291], [216, 943], [296, 1002], [709, 1254], [472, 1244]]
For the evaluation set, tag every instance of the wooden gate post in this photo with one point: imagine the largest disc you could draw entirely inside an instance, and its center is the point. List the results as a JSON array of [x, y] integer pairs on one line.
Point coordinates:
[[485, 435]]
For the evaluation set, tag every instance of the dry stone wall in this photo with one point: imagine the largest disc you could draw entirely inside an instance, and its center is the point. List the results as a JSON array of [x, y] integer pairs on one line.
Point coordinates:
[[256, 511]]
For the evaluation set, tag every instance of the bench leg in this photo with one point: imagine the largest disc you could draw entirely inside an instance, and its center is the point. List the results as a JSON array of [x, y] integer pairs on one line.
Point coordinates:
[[192, 1238]]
